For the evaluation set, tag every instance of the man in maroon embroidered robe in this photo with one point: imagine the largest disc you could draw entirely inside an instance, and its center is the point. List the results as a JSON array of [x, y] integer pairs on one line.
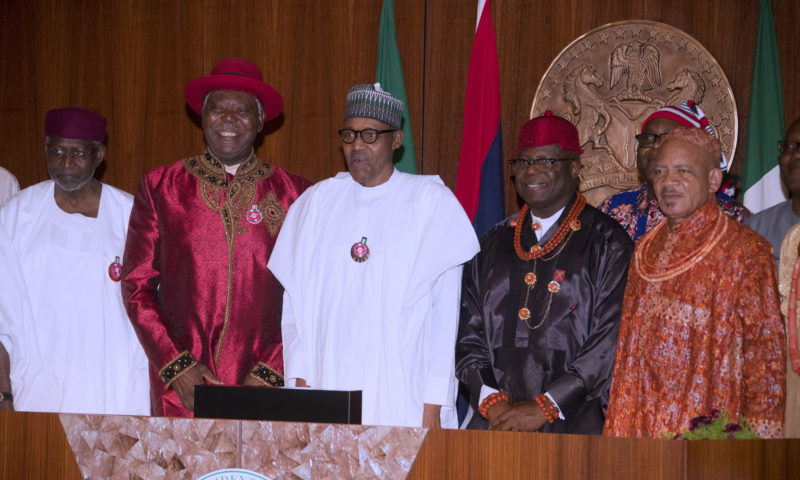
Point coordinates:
[[195, 278]]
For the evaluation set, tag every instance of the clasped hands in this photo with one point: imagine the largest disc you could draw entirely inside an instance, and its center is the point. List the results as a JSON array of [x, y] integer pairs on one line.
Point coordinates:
[[517, 417]]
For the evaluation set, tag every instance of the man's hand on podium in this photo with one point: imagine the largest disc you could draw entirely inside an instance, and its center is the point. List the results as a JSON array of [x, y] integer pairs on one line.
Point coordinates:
[[184, 385], [5, 379], [301, 382], [430, 416], [251, 381], [519, 417]]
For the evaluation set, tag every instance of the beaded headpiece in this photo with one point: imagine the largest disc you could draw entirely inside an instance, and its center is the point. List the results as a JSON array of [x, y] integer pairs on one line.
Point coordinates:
[[370, 101], [698, 137], [549, 129]]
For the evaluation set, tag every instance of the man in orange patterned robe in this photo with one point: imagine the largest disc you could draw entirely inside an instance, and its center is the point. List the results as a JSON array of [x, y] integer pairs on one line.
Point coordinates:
[[701, 324]]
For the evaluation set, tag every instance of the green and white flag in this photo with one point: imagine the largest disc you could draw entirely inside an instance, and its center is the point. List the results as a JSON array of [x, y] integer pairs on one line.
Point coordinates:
[[765, 127], [390, 76]]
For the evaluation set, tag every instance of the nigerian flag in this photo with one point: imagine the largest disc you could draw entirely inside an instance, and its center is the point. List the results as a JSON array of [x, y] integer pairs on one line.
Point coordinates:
[[765, 127], [390, 76]]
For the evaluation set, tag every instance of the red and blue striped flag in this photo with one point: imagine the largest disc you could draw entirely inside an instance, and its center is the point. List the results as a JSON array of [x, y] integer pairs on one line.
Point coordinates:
[[479, 185]]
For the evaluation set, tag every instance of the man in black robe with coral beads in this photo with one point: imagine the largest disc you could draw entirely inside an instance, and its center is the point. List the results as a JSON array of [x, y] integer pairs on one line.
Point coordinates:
[[540, 304]]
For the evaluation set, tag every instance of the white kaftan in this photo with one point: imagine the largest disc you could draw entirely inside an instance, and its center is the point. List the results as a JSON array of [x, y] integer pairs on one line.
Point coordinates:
[[81, 354], [8, 185], [15, 318], [386, 326]]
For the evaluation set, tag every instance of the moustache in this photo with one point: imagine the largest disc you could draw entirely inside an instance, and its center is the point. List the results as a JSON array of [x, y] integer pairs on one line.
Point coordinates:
[[668, 191]]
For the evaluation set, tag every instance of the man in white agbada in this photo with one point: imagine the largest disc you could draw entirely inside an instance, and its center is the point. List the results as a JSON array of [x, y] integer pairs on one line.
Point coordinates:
[[77, 351], [371, 264], [8, 185]]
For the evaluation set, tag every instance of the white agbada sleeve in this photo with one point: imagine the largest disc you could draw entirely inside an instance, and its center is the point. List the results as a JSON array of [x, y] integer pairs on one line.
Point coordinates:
[[15, 318], [286, 260], [8, 185], [440, 331], [294, 356], [441, 328]]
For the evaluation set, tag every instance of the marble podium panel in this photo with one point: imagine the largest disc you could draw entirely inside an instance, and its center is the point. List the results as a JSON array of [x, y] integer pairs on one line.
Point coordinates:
[[152, 448]]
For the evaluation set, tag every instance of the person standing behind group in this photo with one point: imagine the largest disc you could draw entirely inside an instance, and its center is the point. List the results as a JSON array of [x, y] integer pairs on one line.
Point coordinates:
[[636, 209], [77, 348], [371, 262], [541, 301], [701, 323], [195, 278], [774, 223]]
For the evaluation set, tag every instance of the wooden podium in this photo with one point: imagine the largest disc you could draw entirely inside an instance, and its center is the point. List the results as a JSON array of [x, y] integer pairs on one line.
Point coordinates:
[[34, 445]]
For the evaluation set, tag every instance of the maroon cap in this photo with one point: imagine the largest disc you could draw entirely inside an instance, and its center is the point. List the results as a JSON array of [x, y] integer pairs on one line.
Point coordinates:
[[235, 74], [76, 123], [549, 129]]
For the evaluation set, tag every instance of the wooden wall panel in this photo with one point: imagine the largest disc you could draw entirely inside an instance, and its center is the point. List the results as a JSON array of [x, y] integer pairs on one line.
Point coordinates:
[[530, 34], [787, 26], [728, 30], [130, 59]]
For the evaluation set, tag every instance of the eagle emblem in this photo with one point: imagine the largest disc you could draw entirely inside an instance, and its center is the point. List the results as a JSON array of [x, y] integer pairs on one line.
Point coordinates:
[[642, 63]]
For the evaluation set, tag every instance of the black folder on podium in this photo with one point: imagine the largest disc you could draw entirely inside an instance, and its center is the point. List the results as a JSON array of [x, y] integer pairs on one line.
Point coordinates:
[[277, 404]]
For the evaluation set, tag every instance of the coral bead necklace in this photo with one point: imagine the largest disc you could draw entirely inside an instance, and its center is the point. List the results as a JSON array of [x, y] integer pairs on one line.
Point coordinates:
[[570, 225]]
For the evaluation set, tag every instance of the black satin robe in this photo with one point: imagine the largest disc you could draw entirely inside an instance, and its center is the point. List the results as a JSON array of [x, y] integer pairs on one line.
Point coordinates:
[[572, 354]]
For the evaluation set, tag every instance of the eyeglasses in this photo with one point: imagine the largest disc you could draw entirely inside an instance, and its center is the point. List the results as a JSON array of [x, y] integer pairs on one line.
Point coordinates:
[[787, 147], [78, 154], [522, 164], [648, 139], [368, 135]]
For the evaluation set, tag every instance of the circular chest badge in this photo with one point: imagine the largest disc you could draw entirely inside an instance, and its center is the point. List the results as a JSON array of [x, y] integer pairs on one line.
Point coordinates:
[[254, 215], [359, 252], [115, 270]]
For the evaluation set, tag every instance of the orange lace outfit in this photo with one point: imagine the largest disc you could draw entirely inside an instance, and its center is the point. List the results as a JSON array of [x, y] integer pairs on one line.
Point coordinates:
[[701, 330]]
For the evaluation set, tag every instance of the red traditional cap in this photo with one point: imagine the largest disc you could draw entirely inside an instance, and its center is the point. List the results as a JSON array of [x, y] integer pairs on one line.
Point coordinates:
[[235, 74], [76, 123], [549, 129], [689, 115]]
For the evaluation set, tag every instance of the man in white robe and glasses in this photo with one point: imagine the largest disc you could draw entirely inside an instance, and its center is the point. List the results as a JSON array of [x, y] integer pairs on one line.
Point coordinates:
[[371, 263]]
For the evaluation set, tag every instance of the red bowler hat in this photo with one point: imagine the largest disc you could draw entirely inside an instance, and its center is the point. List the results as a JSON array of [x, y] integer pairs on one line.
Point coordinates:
[[235, 74]]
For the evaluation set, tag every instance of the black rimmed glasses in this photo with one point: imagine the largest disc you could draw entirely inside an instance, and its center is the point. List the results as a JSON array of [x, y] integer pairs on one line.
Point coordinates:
[[787, 147], [648, 139], [521, 164], [368, 135]]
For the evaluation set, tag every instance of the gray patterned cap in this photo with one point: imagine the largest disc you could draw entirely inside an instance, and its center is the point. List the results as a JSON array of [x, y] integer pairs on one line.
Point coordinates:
[[366, 100]]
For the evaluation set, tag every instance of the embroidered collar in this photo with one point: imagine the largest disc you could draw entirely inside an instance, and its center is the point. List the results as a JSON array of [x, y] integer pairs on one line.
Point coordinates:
[[208, 167]]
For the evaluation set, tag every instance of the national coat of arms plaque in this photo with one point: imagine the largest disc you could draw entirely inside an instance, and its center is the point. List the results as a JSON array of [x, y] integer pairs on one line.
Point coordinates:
[[609, 80]]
